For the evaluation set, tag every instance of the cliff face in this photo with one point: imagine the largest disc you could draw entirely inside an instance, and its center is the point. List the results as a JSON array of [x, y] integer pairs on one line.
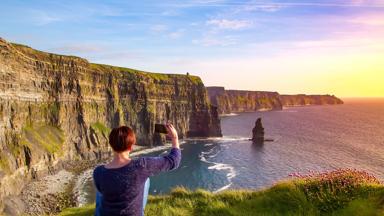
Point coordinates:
[[229, 101], [304, 100], [55, 108]]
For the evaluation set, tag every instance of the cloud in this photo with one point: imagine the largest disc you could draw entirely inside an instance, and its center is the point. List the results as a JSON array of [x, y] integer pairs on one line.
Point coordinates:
[[335, 43], [260, 7], [119, 56], [198, 3], [275, 6], [370, 20], [166, 32], [229, 24], [43, 18], [78, 48], [176, 34], [170, 13], [370, 4], [367, 2], [215, 41], [159, 28]]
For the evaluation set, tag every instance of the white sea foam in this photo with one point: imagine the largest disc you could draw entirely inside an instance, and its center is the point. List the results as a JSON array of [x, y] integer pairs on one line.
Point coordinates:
[[79, 191], [288, 109], [223, 188], [218, 166], [214, 155], [202, 158], [230, 114], [234, 138], [220, 139]]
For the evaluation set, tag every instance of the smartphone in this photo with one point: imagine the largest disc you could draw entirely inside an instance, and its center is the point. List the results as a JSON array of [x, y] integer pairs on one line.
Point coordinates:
[[160, 128]]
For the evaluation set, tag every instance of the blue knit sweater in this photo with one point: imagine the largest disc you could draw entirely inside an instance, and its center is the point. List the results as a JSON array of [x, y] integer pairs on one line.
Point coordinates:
[[122, 188]]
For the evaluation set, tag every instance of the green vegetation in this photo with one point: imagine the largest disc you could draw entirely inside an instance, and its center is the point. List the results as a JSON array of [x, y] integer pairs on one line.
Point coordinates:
[[40, 55], [54, 109], [83, 211], [341, 192], [101, 128], [47, 137], [50, 57], [4, 164], [12, 141], [151, 75]]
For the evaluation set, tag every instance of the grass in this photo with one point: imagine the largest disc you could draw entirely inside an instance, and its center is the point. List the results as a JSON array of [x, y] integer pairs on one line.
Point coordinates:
[[86, 210], [151, 75], [37, 54], [4, 164], [47, 137], [340, 192], [50, 57], [101, 128]]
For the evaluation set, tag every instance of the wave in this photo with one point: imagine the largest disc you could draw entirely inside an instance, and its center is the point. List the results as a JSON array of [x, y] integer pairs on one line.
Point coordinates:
[[223, 188], [218, 166], [224, 138], [229, 114], [79, 191], [234, 138]]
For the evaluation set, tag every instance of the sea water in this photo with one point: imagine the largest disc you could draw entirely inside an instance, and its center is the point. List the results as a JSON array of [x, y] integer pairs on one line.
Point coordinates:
[[311, 138]]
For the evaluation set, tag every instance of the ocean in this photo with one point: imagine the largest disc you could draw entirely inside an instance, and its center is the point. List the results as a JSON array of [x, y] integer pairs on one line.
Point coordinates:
[[306, 139]]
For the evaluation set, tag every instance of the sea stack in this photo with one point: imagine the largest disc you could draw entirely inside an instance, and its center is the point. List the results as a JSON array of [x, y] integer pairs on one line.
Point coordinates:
[[258, 132]]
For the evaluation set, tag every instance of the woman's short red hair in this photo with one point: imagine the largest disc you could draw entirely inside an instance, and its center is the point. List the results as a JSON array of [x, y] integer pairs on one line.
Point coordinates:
[[122, 139]]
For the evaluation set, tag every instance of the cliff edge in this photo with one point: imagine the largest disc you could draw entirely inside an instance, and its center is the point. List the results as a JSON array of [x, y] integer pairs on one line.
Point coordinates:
[[55, 108], [229, 101], [305, 100]]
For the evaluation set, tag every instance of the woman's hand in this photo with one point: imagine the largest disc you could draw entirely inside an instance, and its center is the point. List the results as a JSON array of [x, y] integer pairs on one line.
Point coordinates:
[[172, 133]]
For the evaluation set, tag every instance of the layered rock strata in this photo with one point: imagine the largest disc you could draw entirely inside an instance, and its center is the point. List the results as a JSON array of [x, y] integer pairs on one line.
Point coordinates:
[[55, 108], [305, 100], [258, 132], [231, 101]]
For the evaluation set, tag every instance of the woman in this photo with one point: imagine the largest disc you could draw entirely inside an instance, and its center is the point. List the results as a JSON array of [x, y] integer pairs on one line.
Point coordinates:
[[121, 183]]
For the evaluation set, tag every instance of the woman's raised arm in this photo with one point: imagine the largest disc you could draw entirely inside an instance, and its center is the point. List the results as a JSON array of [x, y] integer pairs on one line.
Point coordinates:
[[155, 165]]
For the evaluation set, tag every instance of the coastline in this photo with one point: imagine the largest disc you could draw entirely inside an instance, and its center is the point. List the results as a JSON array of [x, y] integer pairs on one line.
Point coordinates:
[[49, 194], [312, 194], [55, 192], [63, 189], [285, 107]]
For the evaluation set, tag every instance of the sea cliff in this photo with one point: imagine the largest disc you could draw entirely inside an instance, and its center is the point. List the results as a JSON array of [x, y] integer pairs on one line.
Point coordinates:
[[304, 100], [56, 108], [231, 101]]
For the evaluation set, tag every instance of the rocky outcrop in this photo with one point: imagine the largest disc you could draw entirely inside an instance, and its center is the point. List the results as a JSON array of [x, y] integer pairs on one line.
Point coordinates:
[[55, 108], [258, 132], [304, 100], [230, 101]]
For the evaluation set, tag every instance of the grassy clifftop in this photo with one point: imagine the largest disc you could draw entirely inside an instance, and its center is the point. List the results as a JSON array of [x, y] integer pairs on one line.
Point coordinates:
[[51, 57], [341, 192], [155, 76]]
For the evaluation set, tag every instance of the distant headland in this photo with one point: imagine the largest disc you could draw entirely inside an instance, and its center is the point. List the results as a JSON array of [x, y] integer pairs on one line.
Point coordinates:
[[230, 101]]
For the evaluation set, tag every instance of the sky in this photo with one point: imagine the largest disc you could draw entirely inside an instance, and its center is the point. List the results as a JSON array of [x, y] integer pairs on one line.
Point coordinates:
[[292, 46]]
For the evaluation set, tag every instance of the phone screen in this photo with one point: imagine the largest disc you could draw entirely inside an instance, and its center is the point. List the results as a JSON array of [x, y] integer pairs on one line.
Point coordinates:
[[160, 128]]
